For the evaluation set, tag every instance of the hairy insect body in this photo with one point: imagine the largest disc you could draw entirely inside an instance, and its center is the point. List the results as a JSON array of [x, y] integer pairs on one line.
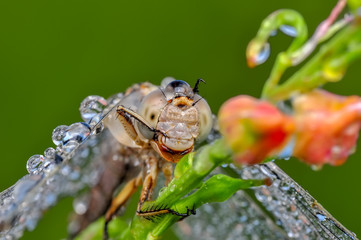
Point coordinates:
[[165, 122], [170, 119]]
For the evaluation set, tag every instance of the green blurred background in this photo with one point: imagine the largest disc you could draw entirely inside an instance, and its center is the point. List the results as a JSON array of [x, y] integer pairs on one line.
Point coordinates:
[[55, 53]]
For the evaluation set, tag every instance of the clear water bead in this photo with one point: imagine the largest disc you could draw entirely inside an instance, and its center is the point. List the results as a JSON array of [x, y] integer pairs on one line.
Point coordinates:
[[49, 153], [58, 134], [289, 30], [77, 131], [49, 161], [113, 100], [35, 164], [95, 123], [81, 204], [70, 146], [263, 54], [91, 106], [49, 166]]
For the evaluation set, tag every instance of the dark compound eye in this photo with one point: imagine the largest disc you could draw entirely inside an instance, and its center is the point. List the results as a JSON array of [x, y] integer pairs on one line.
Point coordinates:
[[178, 86], [178, 83]]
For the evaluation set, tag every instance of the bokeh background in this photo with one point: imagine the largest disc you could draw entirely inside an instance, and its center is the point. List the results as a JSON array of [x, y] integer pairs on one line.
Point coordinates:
[[55, 53]]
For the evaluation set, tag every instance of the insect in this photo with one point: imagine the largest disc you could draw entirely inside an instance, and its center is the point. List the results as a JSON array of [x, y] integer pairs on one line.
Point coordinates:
[[166, 122], [70, 168], [153, 127]]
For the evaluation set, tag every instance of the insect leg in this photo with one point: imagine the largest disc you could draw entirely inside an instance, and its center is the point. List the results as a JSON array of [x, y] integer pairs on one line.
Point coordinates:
[[190, 211], [123, 196], [129, 189], [126, 120], [167, 169], [123, 111], [150, 181], [148, 185], [129, 114], [153, 212]]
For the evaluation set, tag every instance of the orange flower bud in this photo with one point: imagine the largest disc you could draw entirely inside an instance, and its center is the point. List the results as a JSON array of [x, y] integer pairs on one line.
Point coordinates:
[[327, 127], [254, 129]]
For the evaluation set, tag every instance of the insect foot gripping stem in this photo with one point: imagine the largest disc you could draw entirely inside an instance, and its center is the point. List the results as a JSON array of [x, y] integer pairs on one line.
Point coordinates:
[[155, 212], [191, 211]]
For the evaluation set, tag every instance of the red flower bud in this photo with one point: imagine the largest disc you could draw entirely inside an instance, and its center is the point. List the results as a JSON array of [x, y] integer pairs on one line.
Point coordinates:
[[254, 129], [327, 127]]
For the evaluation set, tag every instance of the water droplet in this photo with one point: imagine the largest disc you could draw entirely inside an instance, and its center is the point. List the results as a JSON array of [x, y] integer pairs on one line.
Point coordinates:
[[287, 150], [49, 166], [289, 30], [114, 99], [243, 219], [273, 33], [172, 188], [80, 205], [49, 200], [58, 134], [95, 120], [31, 223], [91, 106], [316, 167], [69, 146], [66, 170], [24, 186], [35, 164], [285, 187], [292, 234], [279, 222], [336, 150], [321, 217], [80, 158], [77, 131], [95, 124], [263, 54], [73, 227], [161, 191], [74, 175], [49, 153]]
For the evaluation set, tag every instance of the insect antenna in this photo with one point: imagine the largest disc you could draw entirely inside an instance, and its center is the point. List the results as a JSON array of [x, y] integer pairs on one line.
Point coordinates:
[[196, 101], [195, 89], [163, 93]]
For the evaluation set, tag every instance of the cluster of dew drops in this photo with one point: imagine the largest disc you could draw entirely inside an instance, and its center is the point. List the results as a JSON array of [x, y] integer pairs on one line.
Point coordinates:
[[68, 138]]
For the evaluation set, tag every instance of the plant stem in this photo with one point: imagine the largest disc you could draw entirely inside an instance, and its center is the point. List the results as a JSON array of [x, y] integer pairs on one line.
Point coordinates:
[[329, 64]]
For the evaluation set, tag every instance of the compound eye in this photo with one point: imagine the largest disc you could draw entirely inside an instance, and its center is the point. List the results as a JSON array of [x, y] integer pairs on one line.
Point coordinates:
[[178, 87], [150, 109], [205, 119]]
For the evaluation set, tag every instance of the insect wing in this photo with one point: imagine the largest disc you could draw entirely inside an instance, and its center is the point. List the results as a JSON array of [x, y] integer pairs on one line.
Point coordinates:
[[82, 158], [283, 210]]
